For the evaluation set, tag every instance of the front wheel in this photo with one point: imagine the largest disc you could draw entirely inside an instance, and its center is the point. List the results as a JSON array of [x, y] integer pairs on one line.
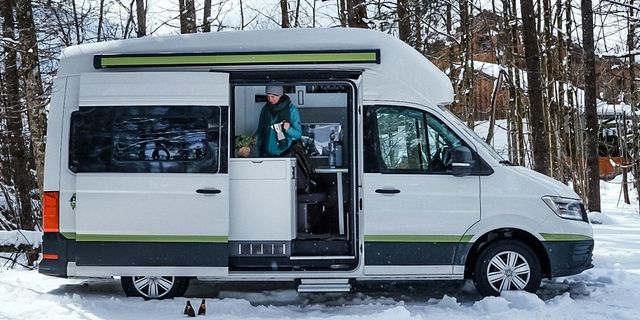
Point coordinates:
[[507, 265], [154, 287]]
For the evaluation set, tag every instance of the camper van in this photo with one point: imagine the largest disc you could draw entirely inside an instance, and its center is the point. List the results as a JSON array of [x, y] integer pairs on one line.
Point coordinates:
[[144, 182]]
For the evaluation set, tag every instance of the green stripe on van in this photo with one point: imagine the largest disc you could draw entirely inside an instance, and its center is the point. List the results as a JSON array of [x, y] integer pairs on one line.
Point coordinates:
[[108, 61], [150, 238], [564, 237], [416, 238]]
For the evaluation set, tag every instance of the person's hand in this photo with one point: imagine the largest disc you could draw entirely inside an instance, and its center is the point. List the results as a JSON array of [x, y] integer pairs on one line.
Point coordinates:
[[286, 125]]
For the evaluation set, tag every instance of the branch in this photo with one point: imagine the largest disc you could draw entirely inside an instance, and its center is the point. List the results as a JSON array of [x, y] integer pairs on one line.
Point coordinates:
[[623, 4]]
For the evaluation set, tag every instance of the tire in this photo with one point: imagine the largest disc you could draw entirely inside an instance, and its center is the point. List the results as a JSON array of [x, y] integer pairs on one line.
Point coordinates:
[[153, 287], [507, 265]]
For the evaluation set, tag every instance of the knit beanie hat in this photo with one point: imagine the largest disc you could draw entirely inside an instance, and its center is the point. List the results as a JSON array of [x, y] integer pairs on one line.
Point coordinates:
[[274, 90]]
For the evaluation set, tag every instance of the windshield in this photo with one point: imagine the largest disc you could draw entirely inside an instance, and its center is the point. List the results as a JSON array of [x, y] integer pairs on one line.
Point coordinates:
[[473, 134]]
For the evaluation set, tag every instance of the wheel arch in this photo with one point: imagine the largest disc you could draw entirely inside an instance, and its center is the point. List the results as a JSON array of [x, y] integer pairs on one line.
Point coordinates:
[[492, 236]]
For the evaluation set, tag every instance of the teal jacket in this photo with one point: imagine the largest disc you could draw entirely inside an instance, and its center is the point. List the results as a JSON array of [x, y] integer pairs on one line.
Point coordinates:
[[265, 134]]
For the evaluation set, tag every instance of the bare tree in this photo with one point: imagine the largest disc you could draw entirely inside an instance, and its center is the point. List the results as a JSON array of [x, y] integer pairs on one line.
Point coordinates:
[[357, 13], [404, 23], [343, 12], [18, 157], [206, 17], [590, 112], [536, 108], [34, 92], [284, 10], [187, 16], [100, 20], [141, 15]]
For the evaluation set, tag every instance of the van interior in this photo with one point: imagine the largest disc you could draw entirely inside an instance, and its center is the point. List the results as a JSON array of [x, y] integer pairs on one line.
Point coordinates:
[[301, 219]]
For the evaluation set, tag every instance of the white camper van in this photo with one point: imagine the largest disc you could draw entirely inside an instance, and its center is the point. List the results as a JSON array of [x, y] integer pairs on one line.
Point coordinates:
[[142, 178]]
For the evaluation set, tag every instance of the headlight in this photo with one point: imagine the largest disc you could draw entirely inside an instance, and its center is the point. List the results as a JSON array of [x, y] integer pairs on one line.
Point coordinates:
[[566, 208]]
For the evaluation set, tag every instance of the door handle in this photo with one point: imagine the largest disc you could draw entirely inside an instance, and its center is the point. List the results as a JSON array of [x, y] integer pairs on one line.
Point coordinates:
[[208, 191], [387, 191]]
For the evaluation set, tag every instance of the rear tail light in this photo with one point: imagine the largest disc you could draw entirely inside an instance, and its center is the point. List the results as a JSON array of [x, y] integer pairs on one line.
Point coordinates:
[[50, 256], [50, 216]]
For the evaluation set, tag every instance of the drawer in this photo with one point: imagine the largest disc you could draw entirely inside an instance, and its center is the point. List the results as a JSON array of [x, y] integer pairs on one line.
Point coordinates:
[[261, 168]]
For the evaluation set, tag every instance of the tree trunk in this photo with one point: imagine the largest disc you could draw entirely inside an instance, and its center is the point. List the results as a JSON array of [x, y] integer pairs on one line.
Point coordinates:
[[76, 22], [536, 108], [206, 17], [100, 20], [284, 14], [357, 13], [141, 15], [590, 112], [34, 94], [404, 24], [241, 15], [187, 16], [343, 12], [518, 101], [127, 27], [296, 22], [494, 95], [22, 179]]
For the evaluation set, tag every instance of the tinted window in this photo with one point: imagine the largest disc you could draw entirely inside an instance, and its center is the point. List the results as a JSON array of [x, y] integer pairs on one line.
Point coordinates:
[[147, 139], [406, 140]]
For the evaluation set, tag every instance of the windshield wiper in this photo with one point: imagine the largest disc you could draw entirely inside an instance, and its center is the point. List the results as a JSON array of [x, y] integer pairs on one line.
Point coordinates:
[[506, 163]]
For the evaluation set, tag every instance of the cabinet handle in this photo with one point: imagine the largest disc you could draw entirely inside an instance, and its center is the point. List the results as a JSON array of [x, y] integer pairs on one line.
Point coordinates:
[[208, 191]]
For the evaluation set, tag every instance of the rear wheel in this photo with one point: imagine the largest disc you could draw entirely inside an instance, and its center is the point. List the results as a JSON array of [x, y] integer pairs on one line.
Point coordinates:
[[507, 265], [154, 287]]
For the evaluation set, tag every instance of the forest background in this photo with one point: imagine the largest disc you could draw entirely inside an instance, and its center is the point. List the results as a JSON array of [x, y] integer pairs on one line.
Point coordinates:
[[561, 74]]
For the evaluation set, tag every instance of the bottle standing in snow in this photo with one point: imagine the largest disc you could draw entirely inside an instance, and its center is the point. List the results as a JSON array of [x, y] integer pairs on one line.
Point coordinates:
[[203, 308], [188, 310]]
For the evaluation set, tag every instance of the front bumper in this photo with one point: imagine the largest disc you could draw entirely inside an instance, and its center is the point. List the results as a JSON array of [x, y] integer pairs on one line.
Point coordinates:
[[569, 257]]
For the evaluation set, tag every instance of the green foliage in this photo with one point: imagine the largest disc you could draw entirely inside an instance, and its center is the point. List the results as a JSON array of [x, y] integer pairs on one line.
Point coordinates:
[[243, 141]]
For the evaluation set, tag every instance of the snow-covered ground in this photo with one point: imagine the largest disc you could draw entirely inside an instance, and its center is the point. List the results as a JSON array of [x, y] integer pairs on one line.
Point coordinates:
[[608, 291]]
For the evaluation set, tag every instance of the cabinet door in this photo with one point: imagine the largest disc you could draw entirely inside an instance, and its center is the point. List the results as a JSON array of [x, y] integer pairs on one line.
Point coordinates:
[[151, 166]]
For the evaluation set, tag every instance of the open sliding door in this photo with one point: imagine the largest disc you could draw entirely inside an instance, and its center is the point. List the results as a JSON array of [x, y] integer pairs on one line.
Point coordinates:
[[150, 154]]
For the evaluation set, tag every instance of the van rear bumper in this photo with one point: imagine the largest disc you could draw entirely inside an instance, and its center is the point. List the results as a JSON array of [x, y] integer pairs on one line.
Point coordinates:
[[569, 257], [56, 244]]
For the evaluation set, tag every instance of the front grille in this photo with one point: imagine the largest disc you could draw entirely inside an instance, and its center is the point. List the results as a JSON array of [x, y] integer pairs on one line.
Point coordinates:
[[582, 254]]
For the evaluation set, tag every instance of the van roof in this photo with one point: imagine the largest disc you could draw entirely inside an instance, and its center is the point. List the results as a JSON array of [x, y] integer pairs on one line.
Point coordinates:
[[400, 73]]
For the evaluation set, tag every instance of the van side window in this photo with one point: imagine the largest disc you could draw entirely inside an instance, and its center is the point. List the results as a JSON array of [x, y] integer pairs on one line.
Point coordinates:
[[145, 139], [406, 140]]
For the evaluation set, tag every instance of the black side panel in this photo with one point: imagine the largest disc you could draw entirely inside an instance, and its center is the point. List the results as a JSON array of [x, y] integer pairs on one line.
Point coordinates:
[[55, 243], [409, 253], [461, 253], [152, 254], [569, 257]]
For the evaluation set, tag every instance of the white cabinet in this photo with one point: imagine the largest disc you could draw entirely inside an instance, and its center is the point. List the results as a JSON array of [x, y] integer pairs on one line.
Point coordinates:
[[262, 202]]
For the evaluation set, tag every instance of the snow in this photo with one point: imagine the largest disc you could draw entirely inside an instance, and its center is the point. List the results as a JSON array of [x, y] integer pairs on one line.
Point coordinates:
[[609, 290], [613, 109], [20, 237]]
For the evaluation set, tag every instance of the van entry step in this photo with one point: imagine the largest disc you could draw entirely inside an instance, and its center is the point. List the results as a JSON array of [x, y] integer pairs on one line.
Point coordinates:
[[324, 285]]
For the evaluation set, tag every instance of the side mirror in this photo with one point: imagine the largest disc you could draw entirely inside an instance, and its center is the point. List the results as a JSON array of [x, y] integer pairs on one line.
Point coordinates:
[[462, 162]]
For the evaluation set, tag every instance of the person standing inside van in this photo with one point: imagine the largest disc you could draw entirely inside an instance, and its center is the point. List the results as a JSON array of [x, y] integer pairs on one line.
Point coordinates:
[[279, 124]]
